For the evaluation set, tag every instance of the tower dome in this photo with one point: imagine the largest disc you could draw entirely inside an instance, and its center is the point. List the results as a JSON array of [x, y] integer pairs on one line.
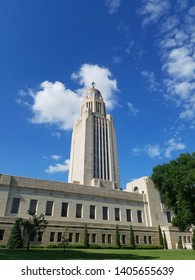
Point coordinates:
[[93, 92]]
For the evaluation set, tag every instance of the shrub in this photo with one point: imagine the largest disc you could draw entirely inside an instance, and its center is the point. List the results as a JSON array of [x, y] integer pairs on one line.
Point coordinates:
[[149, 247]]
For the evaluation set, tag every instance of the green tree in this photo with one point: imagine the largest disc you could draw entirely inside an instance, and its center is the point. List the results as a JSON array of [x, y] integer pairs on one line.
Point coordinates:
[[161, 241], [118, 244], [132, 237], [15, 238], [86, 237], [176, 182], [65, 239], [33, 226], [193, 239]]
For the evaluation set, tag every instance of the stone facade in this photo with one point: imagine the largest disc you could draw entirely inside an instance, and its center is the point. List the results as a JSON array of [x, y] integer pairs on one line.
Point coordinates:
[[99, 208], [92, 195]]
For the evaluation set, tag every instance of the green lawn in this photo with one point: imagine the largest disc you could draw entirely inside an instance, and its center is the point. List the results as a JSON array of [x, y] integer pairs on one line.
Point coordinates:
[[96, 254]]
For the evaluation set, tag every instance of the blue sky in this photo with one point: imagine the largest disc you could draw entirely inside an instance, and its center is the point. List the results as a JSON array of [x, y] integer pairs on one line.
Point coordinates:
[[140, 54]]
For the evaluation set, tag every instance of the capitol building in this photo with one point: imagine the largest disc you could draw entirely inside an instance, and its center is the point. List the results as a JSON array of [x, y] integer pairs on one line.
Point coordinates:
[[93, 195]]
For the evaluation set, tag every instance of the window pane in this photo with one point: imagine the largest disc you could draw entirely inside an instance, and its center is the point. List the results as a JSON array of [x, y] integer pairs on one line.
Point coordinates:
[[117, 214], [15, 205], [52, 234], [139, 216], [49, 208], [78, 210], [64, 210], [105, 213], [92, 212], [1, 233], [33, 206], [128, 215]]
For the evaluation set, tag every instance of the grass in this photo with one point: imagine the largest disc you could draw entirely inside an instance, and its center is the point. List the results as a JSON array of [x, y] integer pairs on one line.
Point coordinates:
[[95, 254]]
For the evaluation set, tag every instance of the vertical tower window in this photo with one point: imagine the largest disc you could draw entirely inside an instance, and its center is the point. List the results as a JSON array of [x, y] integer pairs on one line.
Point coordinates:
[[92, 211], [15, 205], [105, 213], [49, 208], [32, 207], [79, 210]]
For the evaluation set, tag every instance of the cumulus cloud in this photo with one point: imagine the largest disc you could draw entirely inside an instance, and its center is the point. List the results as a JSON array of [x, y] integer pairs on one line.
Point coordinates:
[[102, 77], [175, 23], [152, 151], [172, 146], [132, 109], [160, 151], [56, 105], [113, 5], [153, 10], [58, 167], [151, 80]]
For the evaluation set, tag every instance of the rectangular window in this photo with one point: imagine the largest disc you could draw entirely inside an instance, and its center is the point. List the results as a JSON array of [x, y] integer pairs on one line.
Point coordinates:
[[117, 214], [93, 238], [79, 210], [64, 209], [70, 236], [128, 215], [109, 238], [1, 233], [189, 239], [137, 239], [105, 213], [40, 236], [49, 208], [103, 238], [33, 207], [92, 211], [150, 239], [168, 213], [52, 235], [139, 216], [77, 238], [145, 239], [59, 238], [123, 239], [15, 205]]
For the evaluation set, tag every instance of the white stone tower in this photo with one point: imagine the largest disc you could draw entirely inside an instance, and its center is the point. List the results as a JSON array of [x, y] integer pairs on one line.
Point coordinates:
[[93, 159]]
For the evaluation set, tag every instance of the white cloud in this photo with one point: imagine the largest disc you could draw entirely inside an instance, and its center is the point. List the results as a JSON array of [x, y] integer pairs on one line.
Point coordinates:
[[58, 167], [160, 151], [153, 10], [151, 80], [152, 151], [55, 157], [113, 5], [132, 109], [102, 77], [172, 146], [54, 104]]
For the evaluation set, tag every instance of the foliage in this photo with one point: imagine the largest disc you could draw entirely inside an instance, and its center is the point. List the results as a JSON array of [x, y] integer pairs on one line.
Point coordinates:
[[15, 238], [118, 245], [176, 183], [132, 238], [161, 241], [193, 239], [65, 240], [33, 226], [148, 247]]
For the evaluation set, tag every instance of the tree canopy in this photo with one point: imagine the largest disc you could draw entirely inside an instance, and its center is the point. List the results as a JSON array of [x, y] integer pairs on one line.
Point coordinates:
[[176, 182]]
